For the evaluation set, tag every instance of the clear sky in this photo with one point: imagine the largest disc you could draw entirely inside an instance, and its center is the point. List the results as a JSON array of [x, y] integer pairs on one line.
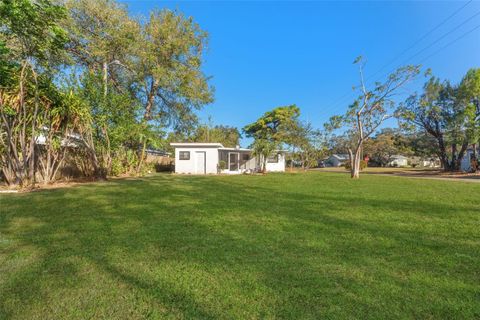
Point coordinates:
[[267, 54]]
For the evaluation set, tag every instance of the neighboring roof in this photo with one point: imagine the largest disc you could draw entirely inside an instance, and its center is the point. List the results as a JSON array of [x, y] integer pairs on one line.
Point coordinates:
[[197, 144], [157, 152], [248, 150], [341, 157], [236, 149]]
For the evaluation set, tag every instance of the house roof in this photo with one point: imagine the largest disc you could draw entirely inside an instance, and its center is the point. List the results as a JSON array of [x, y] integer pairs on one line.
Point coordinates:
[[236, 149], [196, 144], [212, 145], [341, 157]]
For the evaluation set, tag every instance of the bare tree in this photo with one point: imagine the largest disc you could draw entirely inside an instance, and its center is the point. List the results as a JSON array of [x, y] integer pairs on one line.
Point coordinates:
[[365, 115]]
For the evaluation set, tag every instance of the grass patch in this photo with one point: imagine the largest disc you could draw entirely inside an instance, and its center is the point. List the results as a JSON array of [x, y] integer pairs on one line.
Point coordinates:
[[314, 245]]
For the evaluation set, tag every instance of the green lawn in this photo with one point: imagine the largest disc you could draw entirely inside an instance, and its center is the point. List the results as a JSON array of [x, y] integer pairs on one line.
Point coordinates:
[[289, 246]]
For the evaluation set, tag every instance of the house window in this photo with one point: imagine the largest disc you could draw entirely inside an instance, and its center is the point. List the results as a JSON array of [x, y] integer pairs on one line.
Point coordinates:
[[184, 155], [273, 159], [245, 157]]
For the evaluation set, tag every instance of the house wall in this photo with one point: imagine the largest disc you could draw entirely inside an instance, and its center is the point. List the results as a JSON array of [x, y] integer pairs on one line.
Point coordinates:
[[278, 166], [398, 163], [333, 162], [213, 156], [189, 166]]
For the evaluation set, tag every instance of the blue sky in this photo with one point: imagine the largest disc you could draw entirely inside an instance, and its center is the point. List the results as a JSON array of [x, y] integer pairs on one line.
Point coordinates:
[[267, 54]]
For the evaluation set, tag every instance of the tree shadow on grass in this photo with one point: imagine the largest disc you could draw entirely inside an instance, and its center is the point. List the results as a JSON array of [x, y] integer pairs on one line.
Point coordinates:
[[278, 235]]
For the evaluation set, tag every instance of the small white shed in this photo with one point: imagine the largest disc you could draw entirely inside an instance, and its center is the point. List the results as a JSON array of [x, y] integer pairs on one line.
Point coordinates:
[[213, 158]]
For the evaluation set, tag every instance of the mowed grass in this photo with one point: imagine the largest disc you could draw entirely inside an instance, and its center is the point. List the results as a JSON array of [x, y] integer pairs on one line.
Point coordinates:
[[286, 246]]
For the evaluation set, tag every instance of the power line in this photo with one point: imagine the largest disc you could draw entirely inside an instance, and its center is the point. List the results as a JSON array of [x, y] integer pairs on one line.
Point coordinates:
[[450, 43], [421, 38], [435, 42], [348, 95]]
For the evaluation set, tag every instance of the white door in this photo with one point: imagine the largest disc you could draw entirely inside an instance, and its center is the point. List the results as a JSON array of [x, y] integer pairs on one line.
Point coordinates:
[[200, 163]]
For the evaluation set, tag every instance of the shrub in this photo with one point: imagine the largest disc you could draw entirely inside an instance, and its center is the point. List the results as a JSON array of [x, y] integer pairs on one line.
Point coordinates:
[[117, 167], [164, 167], [363, 165], [222, 165]]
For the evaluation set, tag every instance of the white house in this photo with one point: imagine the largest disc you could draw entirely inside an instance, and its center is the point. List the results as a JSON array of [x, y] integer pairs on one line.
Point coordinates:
[[398, 161], [213, 158]]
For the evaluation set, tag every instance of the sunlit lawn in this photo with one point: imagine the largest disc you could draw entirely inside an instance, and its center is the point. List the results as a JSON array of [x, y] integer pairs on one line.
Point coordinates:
[[291, 246]]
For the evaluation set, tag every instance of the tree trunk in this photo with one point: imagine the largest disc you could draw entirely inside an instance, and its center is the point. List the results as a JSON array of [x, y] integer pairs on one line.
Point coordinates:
[[355, 158], [291, 159], [356, 162], [475, 160], [150, 100], [141, 157], [264, 169], [461, 154], [443, 153]]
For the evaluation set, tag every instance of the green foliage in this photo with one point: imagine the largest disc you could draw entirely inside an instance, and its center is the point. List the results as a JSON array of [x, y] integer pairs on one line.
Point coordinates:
[[226, 135], [368, 112], [168, 76], [273, 124], [469, 95], [363, 165], [387, 143], [31, 29], [448, 114], [222, 165], [270, 130], [262, 149], [101, 31], [117, 167]]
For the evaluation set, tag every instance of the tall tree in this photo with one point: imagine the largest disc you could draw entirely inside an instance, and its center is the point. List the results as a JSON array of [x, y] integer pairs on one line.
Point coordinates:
[[305, 143], [365, 115], [31, 41], [388, 142], [226, 135], [469, 95], [439, 112], [168, 77], [103, 37], [270, 130]]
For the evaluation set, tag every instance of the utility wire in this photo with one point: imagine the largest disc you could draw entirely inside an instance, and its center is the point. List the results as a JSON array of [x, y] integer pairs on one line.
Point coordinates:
[[435, 42], [349, 94], [442, 48], [450, 43], [463, 35], [421, 39]]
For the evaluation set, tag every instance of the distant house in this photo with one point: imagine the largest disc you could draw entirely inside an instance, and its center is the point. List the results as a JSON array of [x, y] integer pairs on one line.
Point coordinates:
[[336, 160], [466, 163], [397, 161], [213, 158], [425, 162]]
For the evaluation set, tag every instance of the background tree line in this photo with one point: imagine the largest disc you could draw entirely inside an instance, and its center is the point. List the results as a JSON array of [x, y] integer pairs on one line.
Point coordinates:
[[443, 120], [85, 86]]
